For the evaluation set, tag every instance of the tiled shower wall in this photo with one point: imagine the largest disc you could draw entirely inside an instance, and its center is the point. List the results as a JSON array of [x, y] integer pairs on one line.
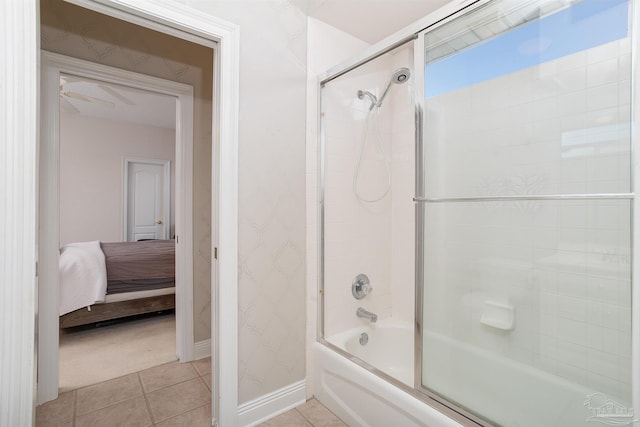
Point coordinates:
[[356, 234], [562, 127], [371, 238]]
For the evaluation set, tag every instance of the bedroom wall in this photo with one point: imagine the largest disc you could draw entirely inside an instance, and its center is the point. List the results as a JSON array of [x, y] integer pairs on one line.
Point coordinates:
[[80, 33], [91, 173]]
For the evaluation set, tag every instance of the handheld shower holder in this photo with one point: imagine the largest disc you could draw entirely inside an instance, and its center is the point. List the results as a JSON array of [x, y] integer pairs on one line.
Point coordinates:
[[365, 93]]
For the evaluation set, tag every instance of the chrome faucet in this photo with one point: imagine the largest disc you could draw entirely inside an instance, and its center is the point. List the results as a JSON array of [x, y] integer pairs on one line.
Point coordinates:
[[367, 315]]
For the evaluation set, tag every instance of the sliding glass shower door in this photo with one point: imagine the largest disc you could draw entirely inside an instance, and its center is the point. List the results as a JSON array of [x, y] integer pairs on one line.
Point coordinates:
[[525, 202]]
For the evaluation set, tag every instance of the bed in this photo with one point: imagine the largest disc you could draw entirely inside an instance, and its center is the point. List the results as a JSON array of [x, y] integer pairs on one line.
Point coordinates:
[[103, 281]]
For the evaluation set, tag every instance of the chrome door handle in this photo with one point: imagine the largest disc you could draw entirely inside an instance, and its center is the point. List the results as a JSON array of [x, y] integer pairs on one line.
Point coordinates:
[[158, 221]]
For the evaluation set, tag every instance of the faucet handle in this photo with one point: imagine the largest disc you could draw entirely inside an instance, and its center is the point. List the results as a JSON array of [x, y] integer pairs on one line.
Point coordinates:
[[361, 286]]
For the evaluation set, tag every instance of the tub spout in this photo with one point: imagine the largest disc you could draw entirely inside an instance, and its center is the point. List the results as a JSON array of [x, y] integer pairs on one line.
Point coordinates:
[[367, 315]]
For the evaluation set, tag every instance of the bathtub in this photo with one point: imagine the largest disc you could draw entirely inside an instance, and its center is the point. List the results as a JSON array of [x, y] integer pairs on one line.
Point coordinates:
[[389, 348], [362, 398]]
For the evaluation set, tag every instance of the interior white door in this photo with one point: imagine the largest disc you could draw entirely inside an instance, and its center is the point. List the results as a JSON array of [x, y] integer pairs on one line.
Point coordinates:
[[146, 201]]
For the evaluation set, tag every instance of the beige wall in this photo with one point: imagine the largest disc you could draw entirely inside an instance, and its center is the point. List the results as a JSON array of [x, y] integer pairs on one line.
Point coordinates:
[[80, 33], [271, 191], [91, 173]]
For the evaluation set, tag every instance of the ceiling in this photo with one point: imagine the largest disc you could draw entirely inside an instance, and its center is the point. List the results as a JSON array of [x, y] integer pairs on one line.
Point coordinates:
[[368, 20], [110, 101], [371, 20]]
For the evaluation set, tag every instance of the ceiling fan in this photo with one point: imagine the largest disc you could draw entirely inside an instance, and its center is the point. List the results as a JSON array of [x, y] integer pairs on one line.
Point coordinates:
[[66, 94]]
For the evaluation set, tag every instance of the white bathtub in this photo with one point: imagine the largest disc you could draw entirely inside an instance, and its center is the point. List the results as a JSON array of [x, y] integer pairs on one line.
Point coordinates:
[[361, 398], [390, 348]]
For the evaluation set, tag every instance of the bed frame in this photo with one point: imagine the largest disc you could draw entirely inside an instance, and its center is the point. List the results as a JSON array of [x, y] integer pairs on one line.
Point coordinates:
[[117, 310], [129, 267]]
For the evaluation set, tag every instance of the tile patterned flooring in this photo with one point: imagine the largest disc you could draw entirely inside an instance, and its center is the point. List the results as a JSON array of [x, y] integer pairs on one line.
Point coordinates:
[[309, 414], [170, 395]]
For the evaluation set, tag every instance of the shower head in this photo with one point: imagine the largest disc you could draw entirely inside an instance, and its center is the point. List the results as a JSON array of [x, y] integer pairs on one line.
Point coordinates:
[[400, 76]]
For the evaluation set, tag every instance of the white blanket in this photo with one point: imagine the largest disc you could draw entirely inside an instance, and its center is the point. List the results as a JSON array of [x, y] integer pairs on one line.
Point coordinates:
[[83, 276]]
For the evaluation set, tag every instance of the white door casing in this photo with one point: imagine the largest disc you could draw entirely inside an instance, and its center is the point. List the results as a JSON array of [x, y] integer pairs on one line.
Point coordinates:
[[18, 209], [146, 199], [52, 66]]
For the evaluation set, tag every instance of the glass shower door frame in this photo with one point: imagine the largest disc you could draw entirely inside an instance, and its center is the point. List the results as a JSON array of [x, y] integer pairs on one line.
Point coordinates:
[[462, 416]]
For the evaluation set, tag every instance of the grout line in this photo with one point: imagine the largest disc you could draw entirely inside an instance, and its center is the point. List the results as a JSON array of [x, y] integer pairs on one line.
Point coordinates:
[[188, 410], [182, 413], [303, 417], [171, 385], [144, 393], [112, 403], [321, 404], [75, 407], [146, 401]]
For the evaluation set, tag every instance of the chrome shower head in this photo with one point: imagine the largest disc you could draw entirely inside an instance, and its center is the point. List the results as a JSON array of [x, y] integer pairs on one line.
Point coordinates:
[[400, 76]]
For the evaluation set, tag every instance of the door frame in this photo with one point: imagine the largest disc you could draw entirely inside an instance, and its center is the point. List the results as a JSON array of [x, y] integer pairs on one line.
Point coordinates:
[[52, 66], [166, 193], [190, 24]]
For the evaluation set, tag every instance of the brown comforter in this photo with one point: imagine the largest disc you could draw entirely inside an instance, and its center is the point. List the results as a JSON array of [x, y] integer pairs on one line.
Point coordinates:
[[135, 266]]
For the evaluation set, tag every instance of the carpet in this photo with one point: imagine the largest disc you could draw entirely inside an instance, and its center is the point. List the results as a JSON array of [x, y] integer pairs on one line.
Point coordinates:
[[89, 355]]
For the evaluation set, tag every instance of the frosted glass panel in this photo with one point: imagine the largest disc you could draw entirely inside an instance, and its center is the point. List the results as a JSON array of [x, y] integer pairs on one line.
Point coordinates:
[[526, 312], [527, 305]]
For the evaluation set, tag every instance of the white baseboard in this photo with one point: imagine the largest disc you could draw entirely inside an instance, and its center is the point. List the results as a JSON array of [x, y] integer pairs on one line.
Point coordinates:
[[202, 349], [272, 404]]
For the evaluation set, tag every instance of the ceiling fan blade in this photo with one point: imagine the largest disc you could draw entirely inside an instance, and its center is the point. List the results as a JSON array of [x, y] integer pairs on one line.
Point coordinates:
[[67, 107], [86, 98], [116, 95]]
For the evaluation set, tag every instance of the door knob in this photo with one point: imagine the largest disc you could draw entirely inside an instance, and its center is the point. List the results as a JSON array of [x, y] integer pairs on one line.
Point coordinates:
[[158, 221]]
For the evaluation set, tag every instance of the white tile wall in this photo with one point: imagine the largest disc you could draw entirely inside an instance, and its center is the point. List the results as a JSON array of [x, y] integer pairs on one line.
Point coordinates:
[[372, 238], [559, 128], [560, 125]]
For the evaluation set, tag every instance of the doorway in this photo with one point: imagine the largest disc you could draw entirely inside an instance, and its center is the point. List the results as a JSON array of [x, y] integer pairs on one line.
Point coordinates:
[[105, 130], [54, 68], [190, 24]]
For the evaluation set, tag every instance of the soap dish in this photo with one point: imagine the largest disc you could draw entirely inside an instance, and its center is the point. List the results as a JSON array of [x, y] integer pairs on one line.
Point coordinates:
[[498, 315]]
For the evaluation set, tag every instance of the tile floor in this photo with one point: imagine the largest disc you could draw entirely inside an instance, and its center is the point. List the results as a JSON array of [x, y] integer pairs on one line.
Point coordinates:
[[310, 414], [170, 395]]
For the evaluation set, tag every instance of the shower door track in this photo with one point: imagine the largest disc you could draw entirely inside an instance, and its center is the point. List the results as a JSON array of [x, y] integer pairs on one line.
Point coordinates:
[[524, 198]]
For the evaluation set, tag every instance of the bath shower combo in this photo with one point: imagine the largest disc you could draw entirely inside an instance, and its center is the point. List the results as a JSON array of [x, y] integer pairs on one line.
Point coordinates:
[[487, 311]]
